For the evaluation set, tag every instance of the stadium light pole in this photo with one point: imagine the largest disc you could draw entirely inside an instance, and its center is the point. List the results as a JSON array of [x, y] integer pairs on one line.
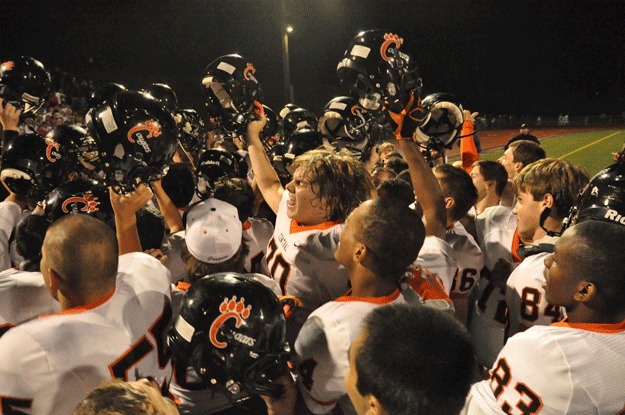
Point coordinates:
[[288, 88]]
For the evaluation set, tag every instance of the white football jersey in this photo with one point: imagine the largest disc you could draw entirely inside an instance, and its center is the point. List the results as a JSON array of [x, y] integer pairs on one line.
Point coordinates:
[[470, 264], [438, 257], [497, 235], [525, 296], [10, 215], [48, 365], [498, 238], [257, 233], [562, 369], [23, 296], [323, 343], [301, 260], [173, 249]]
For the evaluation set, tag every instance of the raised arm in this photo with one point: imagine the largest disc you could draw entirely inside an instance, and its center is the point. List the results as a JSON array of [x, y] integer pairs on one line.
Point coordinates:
[[468, 149], [173, 221], [264, 174], [426, 188], [9, 119], [125, 207]]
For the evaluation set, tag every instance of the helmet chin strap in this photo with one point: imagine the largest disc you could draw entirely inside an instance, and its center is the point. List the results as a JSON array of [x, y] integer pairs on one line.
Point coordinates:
[[543, 217]]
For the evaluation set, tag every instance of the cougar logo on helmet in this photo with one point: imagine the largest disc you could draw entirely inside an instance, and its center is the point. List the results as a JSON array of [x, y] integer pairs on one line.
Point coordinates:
[[229, 308], [52, 151], [152, 128], [390, 39], [249, 71], [7, 66], [91, 203], [137, 132]]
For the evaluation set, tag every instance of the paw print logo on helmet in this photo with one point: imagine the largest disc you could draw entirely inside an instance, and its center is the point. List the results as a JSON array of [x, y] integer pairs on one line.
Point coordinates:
[[231, 329]]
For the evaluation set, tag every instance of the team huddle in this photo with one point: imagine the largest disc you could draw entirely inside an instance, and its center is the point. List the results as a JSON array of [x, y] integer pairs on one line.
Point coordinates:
[[280, 262]]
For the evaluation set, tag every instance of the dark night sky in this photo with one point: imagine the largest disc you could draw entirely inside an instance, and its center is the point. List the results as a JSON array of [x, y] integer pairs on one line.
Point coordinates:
[[542, 57]]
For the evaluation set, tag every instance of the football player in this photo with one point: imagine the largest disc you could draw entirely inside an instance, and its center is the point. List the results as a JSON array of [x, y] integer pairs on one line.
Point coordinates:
[[326, 187], [376, 278], [460, 194], [48, 365], [546, 191], [546, 369]]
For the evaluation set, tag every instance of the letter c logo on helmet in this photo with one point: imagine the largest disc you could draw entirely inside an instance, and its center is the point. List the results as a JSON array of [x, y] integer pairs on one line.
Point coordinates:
[[91, 203], [390, 39], [51, 155], [229, 308], [152, 128]]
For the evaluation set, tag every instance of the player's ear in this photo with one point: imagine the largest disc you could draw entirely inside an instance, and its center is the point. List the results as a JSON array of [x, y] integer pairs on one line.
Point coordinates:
[[55, 279], [373, 406], [586, 290], [360, 252], [548, 200], [449, 202]]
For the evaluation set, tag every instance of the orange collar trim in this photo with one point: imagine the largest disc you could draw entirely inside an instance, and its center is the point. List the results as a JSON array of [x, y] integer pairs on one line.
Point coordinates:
[[247, 225], [183, 286], [516, 243], [375, 300], [596, 327], [296, 227], [82, 308]]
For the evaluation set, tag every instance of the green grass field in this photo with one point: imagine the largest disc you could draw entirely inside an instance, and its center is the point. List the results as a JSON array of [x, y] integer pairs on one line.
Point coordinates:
[[593, 150]]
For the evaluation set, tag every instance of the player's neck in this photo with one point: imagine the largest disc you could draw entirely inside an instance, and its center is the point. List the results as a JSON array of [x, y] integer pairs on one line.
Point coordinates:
[[488, 201], [586, 315], [368, 284], [85, 301]]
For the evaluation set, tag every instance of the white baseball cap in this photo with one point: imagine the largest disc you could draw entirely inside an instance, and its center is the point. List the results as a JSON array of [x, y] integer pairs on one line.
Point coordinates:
[[214, 231]]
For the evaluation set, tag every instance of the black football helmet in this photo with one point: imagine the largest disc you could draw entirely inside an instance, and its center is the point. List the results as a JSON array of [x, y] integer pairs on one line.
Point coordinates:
[[299, 142], [298, 119], [231, 329], [164, 94], [77, 144], [346, 124], [285, 110], [378, 72], [192, 130], [136, 137], [603, 199], [213, 165], [105, 93], [33, 166], [24, 83], [443, 120], [85, 196], [230, 87]]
